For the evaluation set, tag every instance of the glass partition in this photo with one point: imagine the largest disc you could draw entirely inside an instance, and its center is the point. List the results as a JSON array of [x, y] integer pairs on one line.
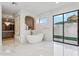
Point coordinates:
[[65, 28], [58, 28], [70, 27]]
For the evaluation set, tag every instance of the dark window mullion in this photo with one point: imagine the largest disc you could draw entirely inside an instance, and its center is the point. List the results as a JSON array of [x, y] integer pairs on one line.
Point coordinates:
[[78, 27], [63, 28]]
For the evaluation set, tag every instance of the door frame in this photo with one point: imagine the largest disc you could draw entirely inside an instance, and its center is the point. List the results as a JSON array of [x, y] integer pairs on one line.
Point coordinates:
[[14, 31]]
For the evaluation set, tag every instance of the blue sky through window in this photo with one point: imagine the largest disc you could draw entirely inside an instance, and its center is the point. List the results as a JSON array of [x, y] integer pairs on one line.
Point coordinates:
[[43, 20], [69, 14], [59, 18]]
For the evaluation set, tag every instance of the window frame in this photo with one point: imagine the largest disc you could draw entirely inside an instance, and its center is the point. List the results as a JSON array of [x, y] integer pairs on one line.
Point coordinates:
[[63, 27]]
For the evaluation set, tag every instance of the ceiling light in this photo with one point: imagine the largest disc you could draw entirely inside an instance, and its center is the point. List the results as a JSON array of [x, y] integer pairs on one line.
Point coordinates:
[[7, 23], [14, 3]]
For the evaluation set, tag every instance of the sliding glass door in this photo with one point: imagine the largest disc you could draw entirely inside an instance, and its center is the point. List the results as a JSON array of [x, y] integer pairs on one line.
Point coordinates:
[[58, 28], [65, 28], [70, 27]]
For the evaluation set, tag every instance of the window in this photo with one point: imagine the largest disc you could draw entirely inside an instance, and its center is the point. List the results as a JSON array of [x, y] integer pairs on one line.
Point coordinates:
[[65, 28], [71, 28], [58, 19], [43, 20], [58, 28], [71, 16]]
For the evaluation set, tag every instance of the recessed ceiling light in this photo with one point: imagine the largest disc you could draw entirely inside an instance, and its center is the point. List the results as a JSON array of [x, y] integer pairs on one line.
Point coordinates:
[[14, 3]]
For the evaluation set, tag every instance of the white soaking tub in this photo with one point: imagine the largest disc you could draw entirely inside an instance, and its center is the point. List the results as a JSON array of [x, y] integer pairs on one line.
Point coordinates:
[[34, 38]]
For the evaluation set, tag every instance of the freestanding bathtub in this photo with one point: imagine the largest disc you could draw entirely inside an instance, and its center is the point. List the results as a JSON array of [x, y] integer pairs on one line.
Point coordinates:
[[35, 38]]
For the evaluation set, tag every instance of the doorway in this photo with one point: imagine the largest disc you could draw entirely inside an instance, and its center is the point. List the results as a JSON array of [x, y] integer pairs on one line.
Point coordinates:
[[8, 30]]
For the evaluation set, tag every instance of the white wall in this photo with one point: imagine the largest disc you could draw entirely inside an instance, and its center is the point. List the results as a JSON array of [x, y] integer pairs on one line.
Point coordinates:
[[46, 28], [17, 28], [5, 15], [0, 25]]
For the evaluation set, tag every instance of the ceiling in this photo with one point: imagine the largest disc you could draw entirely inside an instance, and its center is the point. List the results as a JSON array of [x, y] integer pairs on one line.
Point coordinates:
[[32, 7]]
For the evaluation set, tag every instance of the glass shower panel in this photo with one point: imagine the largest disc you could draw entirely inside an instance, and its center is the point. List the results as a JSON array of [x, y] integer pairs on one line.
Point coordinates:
[[70, 27], [58, 28]]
